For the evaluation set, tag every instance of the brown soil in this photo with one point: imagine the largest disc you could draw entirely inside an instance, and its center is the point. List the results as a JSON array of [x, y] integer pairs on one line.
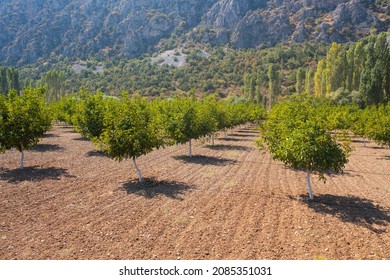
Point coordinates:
[[228, 202]]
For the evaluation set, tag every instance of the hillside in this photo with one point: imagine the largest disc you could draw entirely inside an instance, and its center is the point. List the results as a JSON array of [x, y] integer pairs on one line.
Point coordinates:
[[96, 28]]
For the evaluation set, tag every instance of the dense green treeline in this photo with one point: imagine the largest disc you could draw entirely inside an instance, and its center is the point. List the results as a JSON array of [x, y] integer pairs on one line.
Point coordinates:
[[358, 73], [9, 80], [351, 73], [207, 70], [53, 82]]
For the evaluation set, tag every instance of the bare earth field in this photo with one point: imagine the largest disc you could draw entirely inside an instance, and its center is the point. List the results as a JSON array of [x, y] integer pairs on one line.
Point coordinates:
[[228, 202]]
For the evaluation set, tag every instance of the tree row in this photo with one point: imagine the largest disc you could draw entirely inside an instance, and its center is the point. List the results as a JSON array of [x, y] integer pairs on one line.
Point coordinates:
[[131, 126]]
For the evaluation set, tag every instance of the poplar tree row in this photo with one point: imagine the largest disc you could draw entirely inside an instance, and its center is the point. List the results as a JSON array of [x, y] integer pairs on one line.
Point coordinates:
[[9, 80], [358, 73], [131, 126]]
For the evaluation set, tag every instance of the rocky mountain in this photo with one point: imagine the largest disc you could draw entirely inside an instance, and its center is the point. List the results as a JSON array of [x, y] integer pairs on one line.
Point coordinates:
[[261, 23], [94, 28], [37, 28]]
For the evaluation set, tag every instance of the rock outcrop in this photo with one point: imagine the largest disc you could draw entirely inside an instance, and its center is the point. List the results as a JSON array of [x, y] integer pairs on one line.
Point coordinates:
[[267, 23], [36, 29], [81, 28]]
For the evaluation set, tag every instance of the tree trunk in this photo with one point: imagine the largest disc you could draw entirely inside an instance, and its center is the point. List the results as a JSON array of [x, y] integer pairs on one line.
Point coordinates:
[[190, 148], [364, 141], [225, 133], [138, 171], [22, 157], [309, 185], [212, 139]]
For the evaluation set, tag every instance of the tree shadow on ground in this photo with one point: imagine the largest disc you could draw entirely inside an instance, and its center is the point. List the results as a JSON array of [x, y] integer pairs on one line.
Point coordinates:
[[233, 139], [378, 148], [97, 153], [364, 172], [254, 132], [229, 147], [359, 211], [360, 141], [347, 173], [242, 135], [34, 174], [385, 158], [81, 139], [68, 129], [205, 160], [151, 188], [47, 148], [50, 135]]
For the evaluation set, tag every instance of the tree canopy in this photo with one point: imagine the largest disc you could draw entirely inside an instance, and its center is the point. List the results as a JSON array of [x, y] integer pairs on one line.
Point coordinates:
[[24, 120], [297, 135]]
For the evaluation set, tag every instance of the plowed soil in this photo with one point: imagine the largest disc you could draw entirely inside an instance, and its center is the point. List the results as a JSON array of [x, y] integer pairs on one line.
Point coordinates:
[[230, 201]]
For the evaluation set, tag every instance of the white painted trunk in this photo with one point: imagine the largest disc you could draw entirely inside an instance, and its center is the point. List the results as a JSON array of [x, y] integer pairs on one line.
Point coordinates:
[[212, 139], [190, 148], [309, 185], [138, 171], [225, 133], [22, 157], [22, 160]]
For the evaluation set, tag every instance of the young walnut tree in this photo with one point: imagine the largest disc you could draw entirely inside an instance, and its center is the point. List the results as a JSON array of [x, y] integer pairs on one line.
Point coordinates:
[[24, 119], [132, 129], [297, 136]]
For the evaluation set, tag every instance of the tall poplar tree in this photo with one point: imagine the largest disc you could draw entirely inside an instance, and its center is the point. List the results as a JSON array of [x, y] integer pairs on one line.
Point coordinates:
[[274, 84], [300, 80]]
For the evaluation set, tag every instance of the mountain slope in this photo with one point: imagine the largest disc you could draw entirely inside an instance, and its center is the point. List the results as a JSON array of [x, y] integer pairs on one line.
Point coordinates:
[[96, 28], [266, 23], [33, 29]]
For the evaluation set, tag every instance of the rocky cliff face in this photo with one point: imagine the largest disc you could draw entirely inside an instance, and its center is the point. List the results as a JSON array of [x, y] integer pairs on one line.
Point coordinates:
[[36, 28], [81, 28], [266, 23]]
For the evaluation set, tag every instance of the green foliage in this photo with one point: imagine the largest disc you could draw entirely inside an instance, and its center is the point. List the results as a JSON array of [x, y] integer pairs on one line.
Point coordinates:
[[54, 83], [3, 81], [3, 124], [188, 119], [341, 117], [309, 82], [132, 128], [358, 73], [223, 70], [24, 119], [9, 80], [300, 84], [296, 134], [89, 116], [65, 109], [378, 127], [274, 85], [360, 125]]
